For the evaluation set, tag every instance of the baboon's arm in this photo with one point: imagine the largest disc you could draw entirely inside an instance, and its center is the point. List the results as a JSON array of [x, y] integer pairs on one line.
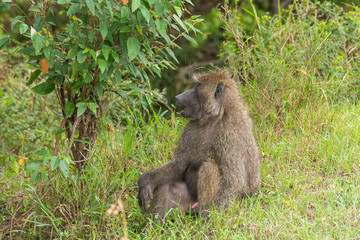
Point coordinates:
[[167, 173]]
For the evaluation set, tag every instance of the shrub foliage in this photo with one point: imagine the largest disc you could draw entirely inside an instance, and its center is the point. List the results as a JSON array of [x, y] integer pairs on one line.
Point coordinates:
[[105, 46]]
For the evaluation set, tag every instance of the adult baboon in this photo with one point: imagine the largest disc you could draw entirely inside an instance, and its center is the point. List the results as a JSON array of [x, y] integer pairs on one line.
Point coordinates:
[[217, 158]]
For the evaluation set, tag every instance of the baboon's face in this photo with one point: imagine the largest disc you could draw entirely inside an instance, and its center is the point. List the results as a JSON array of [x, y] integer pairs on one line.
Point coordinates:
[[201, 101], [190, 103]]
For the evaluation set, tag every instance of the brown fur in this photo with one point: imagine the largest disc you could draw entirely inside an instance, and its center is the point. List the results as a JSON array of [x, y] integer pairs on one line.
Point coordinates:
[[217, 156], [168, 196]]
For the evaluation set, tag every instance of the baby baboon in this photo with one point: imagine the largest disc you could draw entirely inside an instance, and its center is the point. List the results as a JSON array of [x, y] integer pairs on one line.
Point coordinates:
[[217, 158]]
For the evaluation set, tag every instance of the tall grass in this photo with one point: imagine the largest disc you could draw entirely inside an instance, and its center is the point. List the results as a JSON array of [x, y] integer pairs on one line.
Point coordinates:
[[307, 56], [301, 81]]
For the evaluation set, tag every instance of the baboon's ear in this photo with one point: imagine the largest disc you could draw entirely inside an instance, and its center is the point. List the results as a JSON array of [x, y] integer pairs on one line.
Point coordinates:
[[219, 90]]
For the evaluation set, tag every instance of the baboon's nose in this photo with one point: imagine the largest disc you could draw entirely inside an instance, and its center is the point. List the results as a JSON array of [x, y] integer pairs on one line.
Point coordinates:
[[177, 99]]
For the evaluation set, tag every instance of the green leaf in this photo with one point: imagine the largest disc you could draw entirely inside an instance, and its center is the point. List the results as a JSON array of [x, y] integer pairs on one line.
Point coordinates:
[[59, 132], [174, 26], [93, 107], [190, 39], [79, 67], [91, 36], [44, 88], [23, 28], [108, 4], [16, 166], [143, 58], [63, 1], [43, 153], [177, 3], [125, 12], [161, 27], [171, 53], [39, 23], [44, 176], [73, 30], [64, 168], [159, 8], [104, 28], [115, 55], [37, 42], [73, 52], [167, 6], [190, 2], [74, 8], [133, 69], [4, 6], [99, 90], [46, 51], [93, 54], [46, 159], [33, 76], [102, 65], [106, 51], [156, 71], [195, 30], [81, 57], [117, 76], [33, 166], [133, 46], [69, 108], [145, 12], [28, 50], [178, 10], [90, 4], [125, 29], [88, 78], [35, 177], [135, 5], [81, 108], [16, 21], [139, 29], [178, 20], [57, 53], [4, 41], [55, 162]]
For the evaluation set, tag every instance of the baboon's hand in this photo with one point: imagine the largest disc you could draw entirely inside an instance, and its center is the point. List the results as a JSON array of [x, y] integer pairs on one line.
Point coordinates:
[[145, 191], [205, 214], [205, 217]]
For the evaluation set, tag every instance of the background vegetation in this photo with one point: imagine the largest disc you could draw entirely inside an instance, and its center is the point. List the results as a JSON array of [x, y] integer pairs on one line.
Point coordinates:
[[299, 72]]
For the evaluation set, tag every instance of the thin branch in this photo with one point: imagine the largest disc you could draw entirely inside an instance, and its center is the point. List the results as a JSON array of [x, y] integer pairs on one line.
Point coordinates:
[[76, 123]]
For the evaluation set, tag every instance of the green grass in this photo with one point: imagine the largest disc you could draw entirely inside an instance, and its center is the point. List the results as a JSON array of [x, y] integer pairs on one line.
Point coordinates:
[[303, 96], [310, 184]]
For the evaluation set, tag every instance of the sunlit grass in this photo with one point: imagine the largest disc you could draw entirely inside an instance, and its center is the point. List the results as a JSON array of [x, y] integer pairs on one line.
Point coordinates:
[[310, 183], [306, 124]]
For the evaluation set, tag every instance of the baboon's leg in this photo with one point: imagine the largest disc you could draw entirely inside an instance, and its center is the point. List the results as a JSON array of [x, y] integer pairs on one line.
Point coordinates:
[[208, 184], [168, 196]]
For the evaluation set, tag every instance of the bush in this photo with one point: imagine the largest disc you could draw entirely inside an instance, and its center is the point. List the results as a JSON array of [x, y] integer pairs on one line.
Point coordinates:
[[105, 47]]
